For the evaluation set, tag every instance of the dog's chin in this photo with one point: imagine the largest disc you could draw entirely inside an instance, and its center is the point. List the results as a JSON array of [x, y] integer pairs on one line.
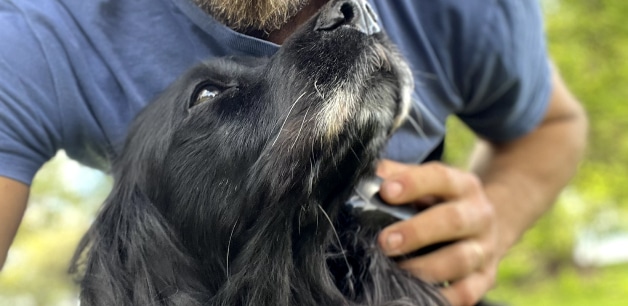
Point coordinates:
[[388, 88], [378, 91], [389, 62]]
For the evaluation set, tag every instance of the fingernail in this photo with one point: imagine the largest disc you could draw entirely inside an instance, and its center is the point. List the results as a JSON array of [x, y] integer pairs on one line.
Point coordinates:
[[392, 189], [394, 241]]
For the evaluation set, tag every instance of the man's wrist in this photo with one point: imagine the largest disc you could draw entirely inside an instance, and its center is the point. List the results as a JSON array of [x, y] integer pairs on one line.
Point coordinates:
[[516, 210]]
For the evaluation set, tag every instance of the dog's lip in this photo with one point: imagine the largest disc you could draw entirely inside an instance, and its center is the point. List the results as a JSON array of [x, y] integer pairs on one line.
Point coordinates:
[[405, 89]]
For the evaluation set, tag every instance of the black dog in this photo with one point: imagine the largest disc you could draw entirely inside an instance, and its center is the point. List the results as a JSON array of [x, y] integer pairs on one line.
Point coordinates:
[[232, 184]]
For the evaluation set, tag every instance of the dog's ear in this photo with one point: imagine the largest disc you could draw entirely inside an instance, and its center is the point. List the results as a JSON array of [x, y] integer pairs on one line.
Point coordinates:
[[130, 256]]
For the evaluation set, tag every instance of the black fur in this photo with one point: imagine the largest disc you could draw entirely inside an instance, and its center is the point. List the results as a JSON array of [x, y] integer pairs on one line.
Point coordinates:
[[240, 200]]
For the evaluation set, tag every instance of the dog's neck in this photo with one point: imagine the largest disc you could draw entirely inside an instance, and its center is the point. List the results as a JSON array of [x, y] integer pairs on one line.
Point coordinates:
[[281, 248]]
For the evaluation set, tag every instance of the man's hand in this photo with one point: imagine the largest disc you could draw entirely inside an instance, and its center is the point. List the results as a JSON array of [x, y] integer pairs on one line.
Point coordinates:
[[463, 215], [520, 179]]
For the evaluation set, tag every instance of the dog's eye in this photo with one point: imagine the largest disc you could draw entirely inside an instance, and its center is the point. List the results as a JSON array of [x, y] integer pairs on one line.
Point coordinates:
[[206, 94]]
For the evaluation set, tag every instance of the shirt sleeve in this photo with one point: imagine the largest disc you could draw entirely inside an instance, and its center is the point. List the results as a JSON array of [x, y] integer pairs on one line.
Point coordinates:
[[29, 119], [508, 82]]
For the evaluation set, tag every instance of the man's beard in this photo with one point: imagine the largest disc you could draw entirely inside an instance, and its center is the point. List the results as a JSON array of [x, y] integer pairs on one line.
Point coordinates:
[[252, 15]]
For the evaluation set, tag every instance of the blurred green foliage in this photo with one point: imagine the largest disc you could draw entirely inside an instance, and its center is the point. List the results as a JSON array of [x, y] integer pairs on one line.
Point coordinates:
[[60, 210], [588, 40], [606, 287]]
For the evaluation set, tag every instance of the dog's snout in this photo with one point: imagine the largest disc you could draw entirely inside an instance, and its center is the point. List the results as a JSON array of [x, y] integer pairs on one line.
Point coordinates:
[[357, 14]]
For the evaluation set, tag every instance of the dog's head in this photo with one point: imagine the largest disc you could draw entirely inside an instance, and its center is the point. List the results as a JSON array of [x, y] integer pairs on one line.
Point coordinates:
[[241, 134]]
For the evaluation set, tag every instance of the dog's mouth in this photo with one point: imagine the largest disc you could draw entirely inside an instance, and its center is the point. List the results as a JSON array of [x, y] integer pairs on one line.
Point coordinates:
[[358, 76], [378, 64]]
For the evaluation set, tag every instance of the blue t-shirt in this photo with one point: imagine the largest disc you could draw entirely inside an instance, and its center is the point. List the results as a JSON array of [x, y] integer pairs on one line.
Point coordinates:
[[74, 73]]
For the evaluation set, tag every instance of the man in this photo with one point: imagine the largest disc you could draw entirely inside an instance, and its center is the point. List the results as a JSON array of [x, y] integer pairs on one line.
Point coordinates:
[[75, 73]]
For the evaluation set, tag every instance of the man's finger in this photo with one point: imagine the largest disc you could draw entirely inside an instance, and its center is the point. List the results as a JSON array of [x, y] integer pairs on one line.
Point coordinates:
[[387, 168], [469, 291], [440, 223], [450, 263], [431, 179]]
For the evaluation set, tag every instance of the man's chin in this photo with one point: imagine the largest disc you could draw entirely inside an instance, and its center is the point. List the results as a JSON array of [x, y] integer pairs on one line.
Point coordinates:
[[252, 15]]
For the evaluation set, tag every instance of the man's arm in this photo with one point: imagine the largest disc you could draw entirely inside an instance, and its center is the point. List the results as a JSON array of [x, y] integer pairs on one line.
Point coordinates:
[[487, 212], [529, 173], [13, 198]]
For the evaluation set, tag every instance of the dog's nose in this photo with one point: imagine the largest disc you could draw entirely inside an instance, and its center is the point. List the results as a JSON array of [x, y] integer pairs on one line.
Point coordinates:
[[357, 14]]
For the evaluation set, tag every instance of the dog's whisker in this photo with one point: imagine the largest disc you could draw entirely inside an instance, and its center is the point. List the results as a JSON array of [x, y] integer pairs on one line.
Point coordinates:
[[310, 181], [356, 155], [286, 119], [342, 250], [229, 246], [316, 231], [320, 94], [300, 216], [300, 128], [417, 125]]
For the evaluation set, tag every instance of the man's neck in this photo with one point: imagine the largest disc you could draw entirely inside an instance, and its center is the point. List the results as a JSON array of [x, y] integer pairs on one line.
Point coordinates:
[[279, 36]]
